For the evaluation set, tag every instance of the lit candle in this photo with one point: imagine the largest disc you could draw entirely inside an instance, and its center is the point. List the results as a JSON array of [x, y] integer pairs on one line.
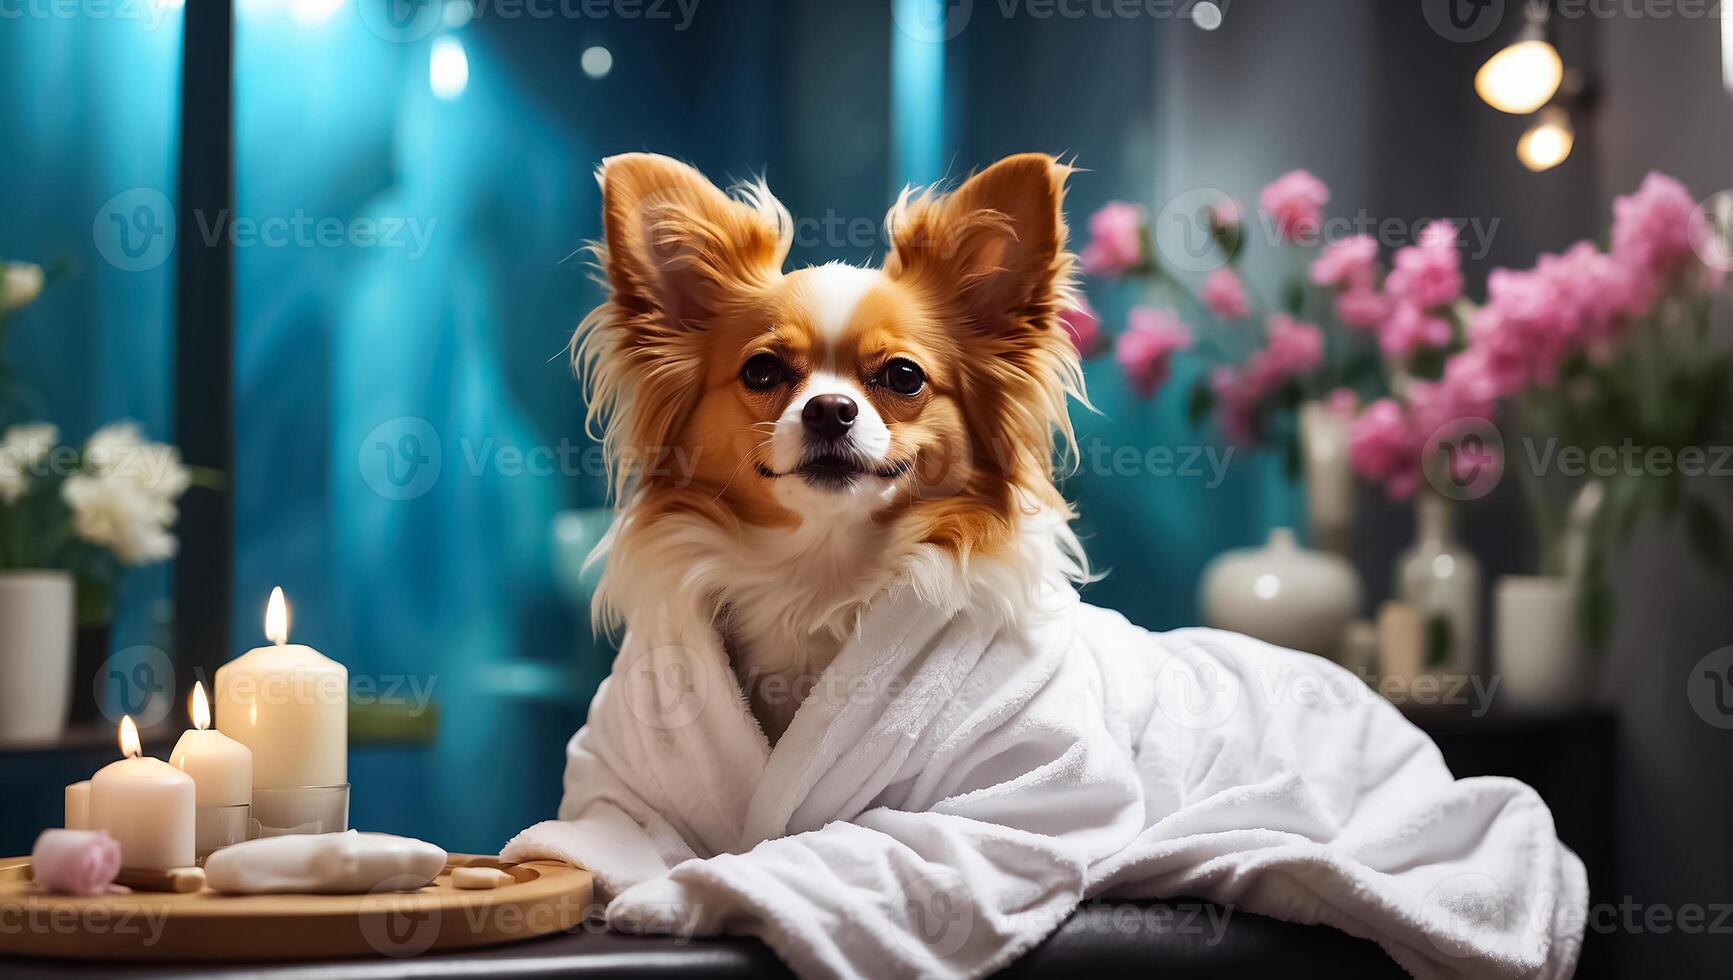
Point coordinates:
[[289, 704], [222, 769], [78, 805], [145, 804]]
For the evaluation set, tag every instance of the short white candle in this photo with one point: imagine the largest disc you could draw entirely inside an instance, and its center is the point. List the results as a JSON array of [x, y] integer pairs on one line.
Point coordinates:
[[289, 704], [145, 804], [221, 767], [78, 805]]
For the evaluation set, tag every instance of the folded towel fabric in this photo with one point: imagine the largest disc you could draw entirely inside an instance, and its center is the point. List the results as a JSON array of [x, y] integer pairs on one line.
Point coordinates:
[[951, 790]]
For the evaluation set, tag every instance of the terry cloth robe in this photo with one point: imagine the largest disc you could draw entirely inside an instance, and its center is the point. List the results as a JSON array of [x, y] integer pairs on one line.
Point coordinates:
[[951, 790]]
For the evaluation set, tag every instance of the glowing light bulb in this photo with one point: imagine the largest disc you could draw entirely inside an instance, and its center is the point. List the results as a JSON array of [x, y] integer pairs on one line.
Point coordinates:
[[1548, 142], [447, 68], [596, 61], [1522, 77]]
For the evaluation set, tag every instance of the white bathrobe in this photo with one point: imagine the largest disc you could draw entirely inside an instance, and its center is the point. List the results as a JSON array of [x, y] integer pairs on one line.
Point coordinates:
[[950, 791]]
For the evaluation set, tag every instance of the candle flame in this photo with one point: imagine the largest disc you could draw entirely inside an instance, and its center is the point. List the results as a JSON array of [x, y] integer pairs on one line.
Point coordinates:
[[129, 744], [277, 618], [199, 707]]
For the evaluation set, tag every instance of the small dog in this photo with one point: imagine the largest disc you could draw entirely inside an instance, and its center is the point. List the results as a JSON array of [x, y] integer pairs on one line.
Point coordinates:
[[839, 431]]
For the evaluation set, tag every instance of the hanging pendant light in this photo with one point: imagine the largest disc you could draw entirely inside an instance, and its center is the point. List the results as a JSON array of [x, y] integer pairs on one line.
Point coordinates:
[[1524, 74], [1547, 143]]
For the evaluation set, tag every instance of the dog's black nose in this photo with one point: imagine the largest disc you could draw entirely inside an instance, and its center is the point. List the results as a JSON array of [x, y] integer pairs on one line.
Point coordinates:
[[829, 416]]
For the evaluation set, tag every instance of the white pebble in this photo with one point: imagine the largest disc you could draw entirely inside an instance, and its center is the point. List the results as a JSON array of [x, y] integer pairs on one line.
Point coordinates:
[[479, 878]]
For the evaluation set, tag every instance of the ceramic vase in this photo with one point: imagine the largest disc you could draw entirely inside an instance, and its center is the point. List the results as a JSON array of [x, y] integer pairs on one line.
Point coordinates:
[[1539, 655], [1283, 593], [1441, 580], [36, 629]]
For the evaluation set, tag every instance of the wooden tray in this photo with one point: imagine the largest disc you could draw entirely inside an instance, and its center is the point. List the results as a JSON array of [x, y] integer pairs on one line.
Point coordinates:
[[546, 897]]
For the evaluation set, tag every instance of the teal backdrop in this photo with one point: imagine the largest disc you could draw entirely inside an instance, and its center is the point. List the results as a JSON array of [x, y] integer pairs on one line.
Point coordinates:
[[408, 269]]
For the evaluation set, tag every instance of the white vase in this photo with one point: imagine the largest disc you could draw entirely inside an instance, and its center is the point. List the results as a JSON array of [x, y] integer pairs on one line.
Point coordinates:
[[1540, 661], [1282, 593], [36, 631], [1441, 579], [1328, 474]]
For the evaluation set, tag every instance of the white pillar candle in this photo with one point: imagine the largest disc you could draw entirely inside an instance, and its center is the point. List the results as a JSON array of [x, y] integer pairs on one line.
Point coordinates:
[[78, 805], [289, 704], [221, 767], [145, 804]]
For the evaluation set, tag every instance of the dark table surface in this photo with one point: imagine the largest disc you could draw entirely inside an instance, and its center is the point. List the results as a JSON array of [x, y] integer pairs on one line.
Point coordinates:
[[1176, 940]]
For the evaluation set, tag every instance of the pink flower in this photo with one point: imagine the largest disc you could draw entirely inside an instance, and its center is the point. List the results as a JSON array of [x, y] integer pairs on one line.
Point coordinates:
[[1294, 348], [1145, 350], [1225, 215], [1601, 291], [1652, 227], [1081, 322], [1235, 403], [1410, 328], [75, 862], [1349, 263], [1343, 402], [1428, 275], [1362, 307], [1382, 446], [1524, 330], [1225, 295], [1468, 387], [1115, 240], [1445, 411], [1296, 201]]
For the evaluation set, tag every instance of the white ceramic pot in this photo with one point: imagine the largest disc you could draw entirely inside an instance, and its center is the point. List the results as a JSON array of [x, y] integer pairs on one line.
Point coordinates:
[[36, 631], [1283, 593], [1328, 474], [1540, 658]]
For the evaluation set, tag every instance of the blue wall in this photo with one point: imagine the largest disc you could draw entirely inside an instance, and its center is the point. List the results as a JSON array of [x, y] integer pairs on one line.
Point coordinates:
[[408, 271]]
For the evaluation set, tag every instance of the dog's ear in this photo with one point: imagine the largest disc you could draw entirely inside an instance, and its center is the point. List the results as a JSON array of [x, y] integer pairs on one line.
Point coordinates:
[[674, 241], [999, 239]]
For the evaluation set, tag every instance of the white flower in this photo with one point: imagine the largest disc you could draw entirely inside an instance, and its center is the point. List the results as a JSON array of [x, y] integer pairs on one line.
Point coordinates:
[[121, 450], [111, 510], [20, 282], [22, 449], [125, 498]]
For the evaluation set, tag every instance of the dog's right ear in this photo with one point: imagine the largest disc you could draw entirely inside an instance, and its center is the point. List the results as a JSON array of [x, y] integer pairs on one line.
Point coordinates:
[[674, 242]]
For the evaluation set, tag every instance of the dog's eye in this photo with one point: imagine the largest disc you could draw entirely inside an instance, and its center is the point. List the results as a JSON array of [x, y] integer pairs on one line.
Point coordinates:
[[902, 376], [763, 372]]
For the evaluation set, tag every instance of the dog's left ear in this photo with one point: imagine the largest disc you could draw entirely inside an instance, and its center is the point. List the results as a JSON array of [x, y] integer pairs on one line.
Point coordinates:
[[1000, 238]]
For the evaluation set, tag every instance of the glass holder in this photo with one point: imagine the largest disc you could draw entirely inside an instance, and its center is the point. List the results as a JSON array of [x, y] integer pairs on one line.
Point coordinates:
[[300, 810]]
